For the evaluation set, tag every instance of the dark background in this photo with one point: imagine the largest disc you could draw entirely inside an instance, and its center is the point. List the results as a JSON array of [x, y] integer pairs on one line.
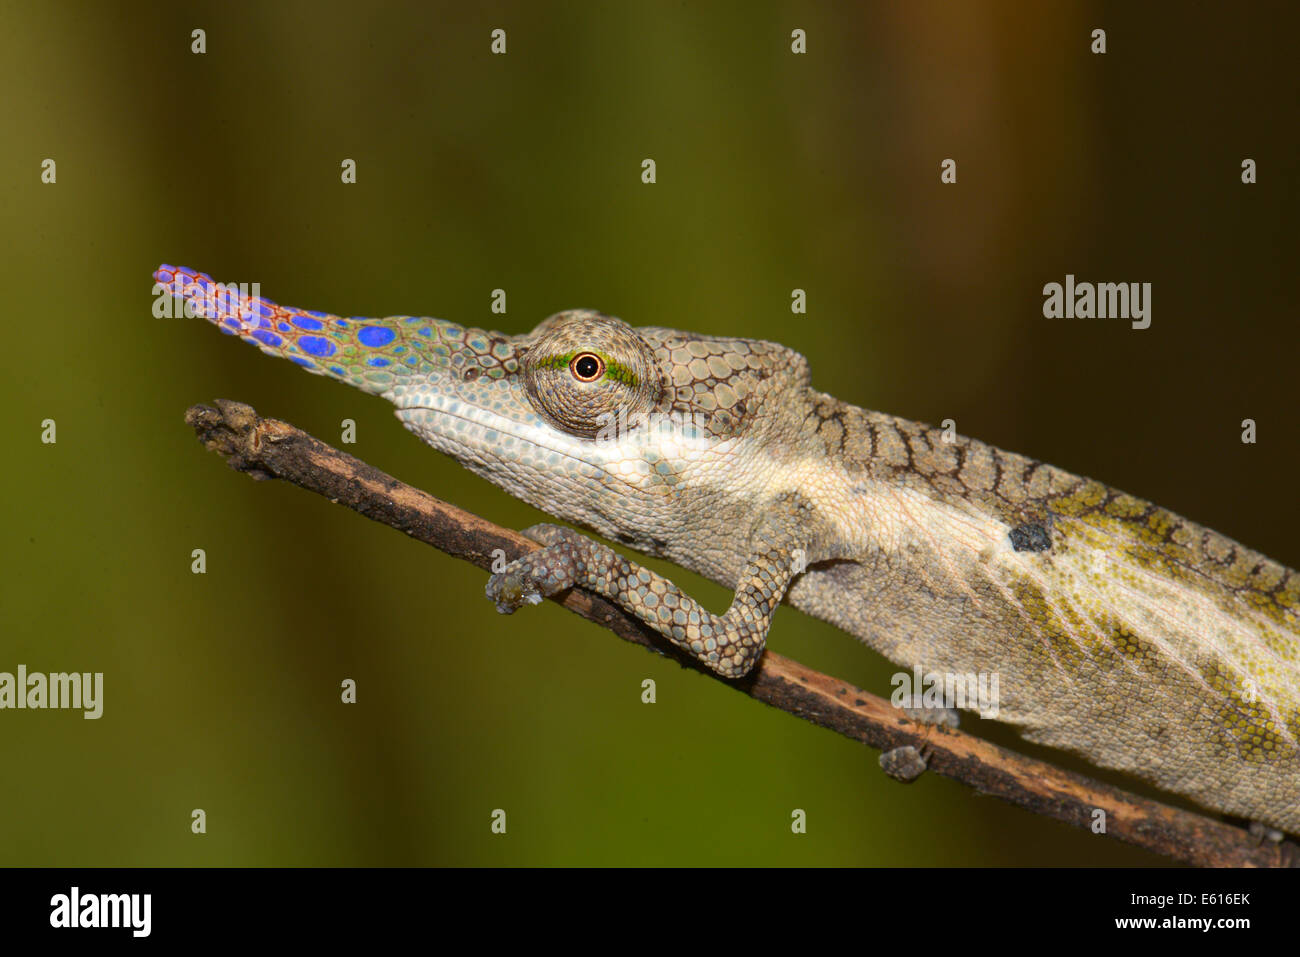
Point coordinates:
[[522, 171]]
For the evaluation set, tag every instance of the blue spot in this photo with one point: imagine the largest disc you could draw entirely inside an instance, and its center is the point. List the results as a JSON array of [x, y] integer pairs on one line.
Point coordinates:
[[398, 350], [425, 331], [341, 322], [232, 323], [317, 346], [413, 360], [376, 336], [318, 315], [302, 322], [268, 338], [264, 310], [378, 362], [338, 370], [284, 327], [261, 322], [305, 363]]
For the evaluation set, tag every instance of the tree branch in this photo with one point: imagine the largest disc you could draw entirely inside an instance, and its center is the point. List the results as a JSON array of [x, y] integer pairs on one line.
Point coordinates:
[[268, 448]]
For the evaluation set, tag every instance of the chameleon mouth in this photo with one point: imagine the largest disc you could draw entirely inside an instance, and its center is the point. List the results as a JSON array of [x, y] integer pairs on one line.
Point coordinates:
[[457, 441]]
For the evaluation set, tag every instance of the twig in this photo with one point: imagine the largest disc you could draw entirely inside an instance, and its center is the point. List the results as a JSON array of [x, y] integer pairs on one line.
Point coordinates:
[[268, 448]]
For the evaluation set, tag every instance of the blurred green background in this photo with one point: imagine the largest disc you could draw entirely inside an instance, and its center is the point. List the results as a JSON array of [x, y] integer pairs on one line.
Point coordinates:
[[522, 171]]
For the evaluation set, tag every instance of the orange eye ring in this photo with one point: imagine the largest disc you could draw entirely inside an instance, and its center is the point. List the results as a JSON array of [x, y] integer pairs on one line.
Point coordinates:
[[587, 367]]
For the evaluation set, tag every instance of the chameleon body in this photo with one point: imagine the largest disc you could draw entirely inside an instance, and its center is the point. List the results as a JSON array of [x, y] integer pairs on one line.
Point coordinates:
[[1118, 630]]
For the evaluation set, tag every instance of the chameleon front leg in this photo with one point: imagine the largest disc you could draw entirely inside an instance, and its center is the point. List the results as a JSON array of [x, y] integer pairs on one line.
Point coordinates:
[[729, 644]]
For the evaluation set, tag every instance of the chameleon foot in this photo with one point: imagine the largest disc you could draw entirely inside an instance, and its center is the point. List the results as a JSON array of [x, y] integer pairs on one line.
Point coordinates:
[[537, 575], [512, 590], [548, 533], [904, 764], [1261, 832], [907, 763]]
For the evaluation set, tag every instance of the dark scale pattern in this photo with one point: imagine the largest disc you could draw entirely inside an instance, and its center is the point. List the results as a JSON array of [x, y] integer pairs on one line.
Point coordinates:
[[1030, 537]]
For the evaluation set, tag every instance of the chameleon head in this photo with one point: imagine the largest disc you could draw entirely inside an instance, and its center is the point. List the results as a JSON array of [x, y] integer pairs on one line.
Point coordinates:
[[585, 417]]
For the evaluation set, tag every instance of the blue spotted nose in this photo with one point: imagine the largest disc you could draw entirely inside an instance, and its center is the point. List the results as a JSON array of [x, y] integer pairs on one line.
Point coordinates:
[[370, 354]]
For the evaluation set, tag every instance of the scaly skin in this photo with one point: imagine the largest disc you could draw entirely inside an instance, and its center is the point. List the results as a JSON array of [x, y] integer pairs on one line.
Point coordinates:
[[1119, 631]]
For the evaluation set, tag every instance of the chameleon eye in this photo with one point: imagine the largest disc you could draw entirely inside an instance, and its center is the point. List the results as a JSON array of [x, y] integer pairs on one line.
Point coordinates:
[[587, 367], [583, 368]]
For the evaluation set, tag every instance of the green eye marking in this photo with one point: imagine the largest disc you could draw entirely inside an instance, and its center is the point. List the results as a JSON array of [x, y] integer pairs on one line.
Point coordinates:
[[613, 369], [620, 373]]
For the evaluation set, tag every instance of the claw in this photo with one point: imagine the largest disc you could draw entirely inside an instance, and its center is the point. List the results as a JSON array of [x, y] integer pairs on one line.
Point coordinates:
[[511, 591], [547, 533], [904, 763]]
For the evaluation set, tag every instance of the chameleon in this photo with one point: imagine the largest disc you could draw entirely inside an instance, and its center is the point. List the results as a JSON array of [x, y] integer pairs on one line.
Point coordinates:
[[1119, 631]]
